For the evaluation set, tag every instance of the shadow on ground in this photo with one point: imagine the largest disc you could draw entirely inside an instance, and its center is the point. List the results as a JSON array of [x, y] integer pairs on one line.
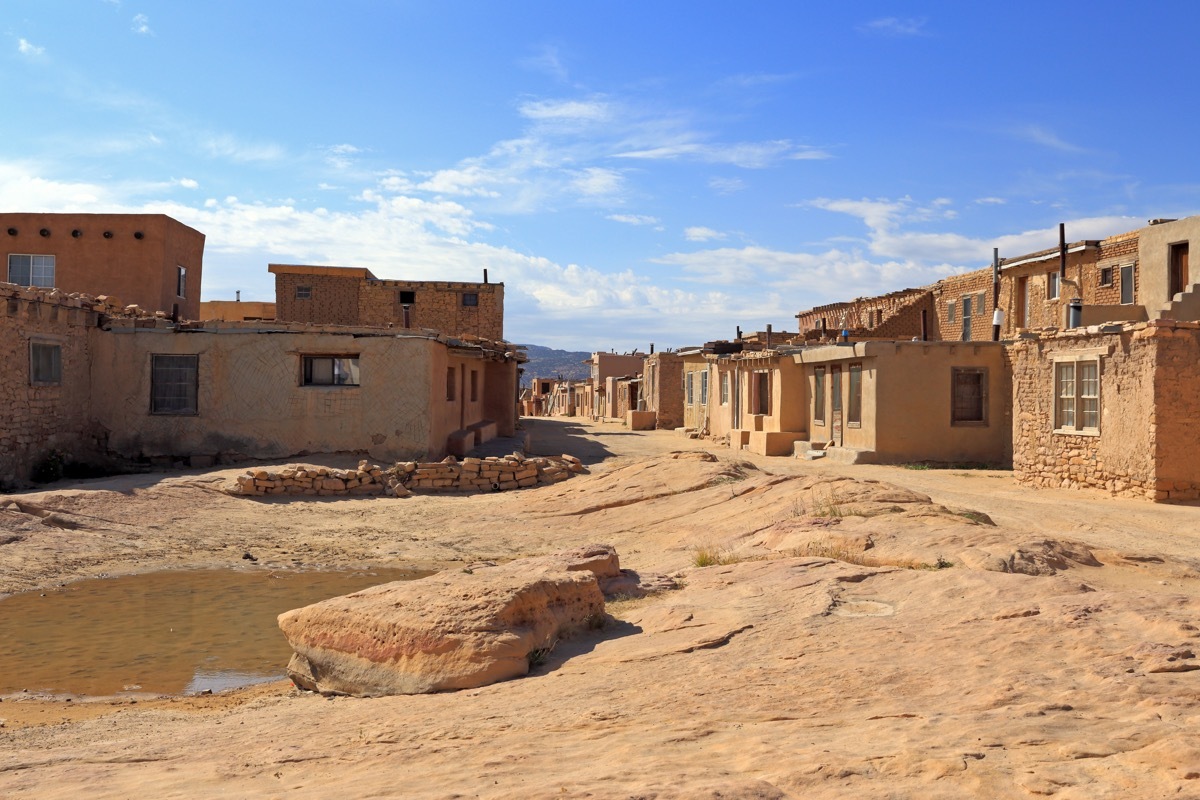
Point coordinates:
[[556, 437]]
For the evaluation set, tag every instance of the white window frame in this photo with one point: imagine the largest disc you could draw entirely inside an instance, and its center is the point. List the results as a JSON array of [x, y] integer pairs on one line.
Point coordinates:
[[1130, 283], [724, 388], [687, 382], [1053, 285], [304, 292], [1071, 412], [38, 263], [704, 388]]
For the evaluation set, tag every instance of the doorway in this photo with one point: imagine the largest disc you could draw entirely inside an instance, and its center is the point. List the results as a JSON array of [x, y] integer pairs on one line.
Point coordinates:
[[1179, 269]]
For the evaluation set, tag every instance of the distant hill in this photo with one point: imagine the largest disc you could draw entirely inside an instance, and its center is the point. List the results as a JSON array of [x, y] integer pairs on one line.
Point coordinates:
[[545, 362]]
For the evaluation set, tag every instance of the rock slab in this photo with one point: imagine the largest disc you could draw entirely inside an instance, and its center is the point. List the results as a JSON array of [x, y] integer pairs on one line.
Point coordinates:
[[452, 630]]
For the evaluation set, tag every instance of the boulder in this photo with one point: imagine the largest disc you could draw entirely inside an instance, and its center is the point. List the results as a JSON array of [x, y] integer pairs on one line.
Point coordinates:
[[452, 630]]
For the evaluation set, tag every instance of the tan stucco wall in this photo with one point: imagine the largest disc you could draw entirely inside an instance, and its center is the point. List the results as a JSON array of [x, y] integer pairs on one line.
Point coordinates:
[[237, 310], [906, 397], [250, 400], [1154, 243]]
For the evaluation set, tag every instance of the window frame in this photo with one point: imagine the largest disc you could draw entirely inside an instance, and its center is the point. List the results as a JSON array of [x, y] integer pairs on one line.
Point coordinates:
[[950, 306], [56, 363], [410, 300], [181, 281], [53, 266], [1130, 283], [159, 401], [704, 388], [968, 302], [819, 395], [1053, 285], [1105, 278], [470, 300], [984, 396], [1078, 401], [304, 292], [854, 407], [307, 364], [724, 388]]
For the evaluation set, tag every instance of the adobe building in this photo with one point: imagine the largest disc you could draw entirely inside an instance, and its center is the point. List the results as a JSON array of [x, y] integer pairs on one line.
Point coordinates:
[[91, 380], [149, 260], [237, 310], [605, 366], [1110, 407], [662, 389], [897, 402], [761, 402], [354, 296]]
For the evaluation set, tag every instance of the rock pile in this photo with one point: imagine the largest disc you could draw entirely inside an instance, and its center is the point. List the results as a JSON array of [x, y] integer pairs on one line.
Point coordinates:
[[470, 475]]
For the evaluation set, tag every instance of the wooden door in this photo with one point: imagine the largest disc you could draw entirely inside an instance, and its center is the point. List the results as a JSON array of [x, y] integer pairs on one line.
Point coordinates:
[[1022, 303], [835, 405], [1179, 269]]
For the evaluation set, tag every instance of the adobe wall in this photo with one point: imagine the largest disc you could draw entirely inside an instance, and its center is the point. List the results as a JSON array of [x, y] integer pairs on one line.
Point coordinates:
[[1121, 459], [1176, 410], [662, 386], [332, 301], [250, 401], [1153, 253], [237, 310], [892, 316], [438, 306], [137, 270], [695, 414], [35, 420]]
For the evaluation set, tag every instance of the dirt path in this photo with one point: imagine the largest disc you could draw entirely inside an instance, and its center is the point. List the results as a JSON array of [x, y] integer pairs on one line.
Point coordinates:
[[1055, 657]]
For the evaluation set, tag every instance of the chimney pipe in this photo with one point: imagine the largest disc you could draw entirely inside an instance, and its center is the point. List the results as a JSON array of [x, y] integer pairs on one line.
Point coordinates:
[[768, 336], [1062, 254], [652, 348], [485, 275], [739, 333], [238, 295]]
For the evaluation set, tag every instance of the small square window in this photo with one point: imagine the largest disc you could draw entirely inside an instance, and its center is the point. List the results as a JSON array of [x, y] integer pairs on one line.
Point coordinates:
[[1106, 276], [45, 364], [470, 298], [407, 298], [30, 270], [303, 292], [174, 384], [331, 371]]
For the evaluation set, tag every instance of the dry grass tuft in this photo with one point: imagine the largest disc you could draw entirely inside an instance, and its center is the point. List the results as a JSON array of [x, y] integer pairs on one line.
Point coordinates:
[[713, 556]]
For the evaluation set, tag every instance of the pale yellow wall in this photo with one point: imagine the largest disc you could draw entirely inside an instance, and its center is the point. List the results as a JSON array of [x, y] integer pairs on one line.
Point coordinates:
[[1154, 243], [250, 400]]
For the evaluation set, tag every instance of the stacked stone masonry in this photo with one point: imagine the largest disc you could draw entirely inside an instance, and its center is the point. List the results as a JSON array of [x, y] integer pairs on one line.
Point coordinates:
[[494, 473]]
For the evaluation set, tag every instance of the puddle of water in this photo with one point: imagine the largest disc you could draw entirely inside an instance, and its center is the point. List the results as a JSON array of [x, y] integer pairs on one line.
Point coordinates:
[[163, 632]]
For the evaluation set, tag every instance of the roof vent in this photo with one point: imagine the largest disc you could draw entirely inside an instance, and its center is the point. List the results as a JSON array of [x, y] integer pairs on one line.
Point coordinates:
[[108, 234], [138, 235], [76, 233], [12, 231], [44, 231]]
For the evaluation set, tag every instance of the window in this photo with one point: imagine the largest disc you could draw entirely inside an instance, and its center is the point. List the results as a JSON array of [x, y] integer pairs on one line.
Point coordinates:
[[854, 413], [1106, 276], [762, 392], [968, 396], [687, 382], [450, 393], [704, 388], [1051, 285], [27, 270], [45, 364], [966, 319], [304, 293], [474, 386], [725, 388], [173, 384], [330, 371], [1127, 285], [545, 387], [819, 395], [1077, 396], [180, 281], [950, 311], [470, 299], [407, 298]]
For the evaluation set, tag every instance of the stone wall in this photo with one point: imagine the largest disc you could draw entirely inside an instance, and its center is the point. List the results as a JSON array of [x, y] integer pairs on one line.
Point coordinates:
[[38, 419], [438, 305], [896, 315], [1149, 404], [332, 299], [491, 474]]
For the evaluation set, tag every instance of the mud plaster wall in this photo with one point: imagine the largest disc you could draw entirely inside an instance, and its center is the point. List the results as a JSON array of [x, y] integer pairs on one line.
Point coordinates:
[[663, 382], [1121, 459], [250, 401], [1175, 422], [37, 419]]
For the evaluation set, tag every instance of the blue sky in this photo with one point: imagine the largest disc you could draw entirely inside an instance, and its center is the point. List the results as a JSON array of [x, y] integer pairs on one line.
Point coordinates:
[[633, 172]]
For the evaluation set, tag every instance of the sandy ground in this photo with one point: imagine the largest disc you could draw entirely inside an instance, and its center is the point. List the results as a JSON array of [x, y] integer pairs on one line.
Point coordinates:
[[1051, 655]]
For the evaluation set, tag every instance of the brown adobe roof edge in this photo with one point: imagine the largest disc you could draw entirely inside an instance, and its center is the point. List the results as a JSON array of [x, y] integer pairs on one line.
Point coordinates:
[[308, 269]]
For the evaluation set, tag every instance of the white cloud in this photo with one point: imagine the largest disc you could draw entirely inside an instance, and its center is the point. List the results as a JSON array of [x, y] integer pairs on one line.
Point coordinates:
[[895, 26], [338, 155], [726, 185], [749, 155], [990, 201], [569, 110], [597, 182], [1046, 138], [472, 179], [701, 234], [141, 25], [226, 146], [634, 219], [28, 48], [547, 61], [188, 183]]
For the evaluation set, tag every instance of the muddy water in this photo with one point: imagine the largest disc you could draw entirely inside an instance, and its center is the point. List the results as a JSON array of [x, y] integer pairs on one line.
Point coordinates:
[[173, 632]]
